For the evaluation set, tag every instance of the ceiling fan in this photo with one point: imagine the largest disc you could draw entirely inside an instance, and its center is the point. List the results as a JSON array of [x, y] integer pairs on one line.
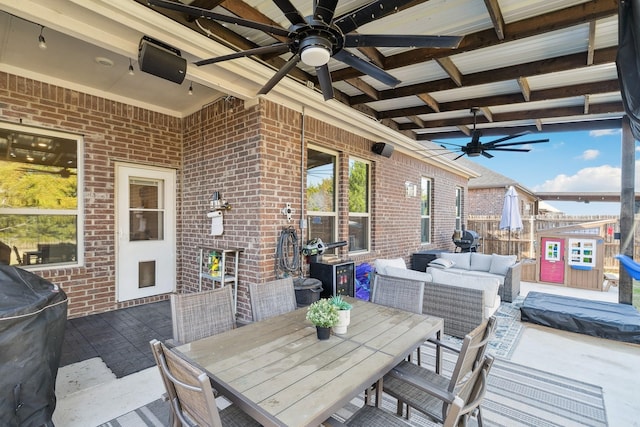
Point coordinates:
[[475, 148], [317, 38], [64, 172]]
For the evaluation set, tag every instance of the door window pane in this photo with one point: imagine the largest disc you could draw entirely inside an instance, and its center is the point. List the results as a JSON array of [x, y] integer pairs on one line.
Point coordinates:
[[146, 209]]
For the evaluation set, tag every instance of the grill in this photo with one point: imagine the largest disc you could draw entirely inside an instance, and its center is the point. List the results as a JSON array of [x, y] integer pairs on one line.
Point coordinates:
[[466, 240]]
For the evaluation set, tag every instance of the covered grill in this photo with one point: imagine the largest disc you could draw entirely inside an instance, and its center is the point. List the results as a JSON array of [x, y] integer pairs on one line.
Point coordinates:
[[466, 240]]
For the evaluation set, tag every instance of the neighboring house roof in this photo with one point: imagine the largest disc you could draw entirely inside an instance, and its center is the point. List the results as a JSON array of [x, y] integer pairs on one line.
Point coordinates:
[[491, 179]]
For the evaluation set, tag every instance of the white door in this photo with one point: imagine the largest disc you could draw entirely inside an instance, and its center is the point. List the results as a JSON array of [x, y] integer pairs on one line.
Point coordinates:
[[145, 220]]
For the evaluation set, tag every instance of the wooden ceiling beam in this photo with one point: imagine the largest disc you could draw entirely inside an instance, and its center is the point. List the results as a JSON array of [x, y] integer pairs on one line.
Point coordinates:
[[450, 68], [507, 99], [430, 101], [547, 113], [530, 69], [524, 88], [496, 17], [564, 18], [363, 87]]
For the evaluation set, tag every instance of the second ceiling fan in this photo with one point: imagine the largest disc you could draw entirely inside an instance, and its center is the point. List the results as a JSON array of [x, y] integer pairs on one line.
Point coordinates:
[[476, 148], [317, 38]]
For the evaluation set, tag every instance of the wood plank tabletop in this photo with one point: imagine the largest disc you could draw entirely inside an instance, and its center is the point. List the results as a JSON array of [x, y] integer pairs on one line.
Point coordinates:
[[281, 374]]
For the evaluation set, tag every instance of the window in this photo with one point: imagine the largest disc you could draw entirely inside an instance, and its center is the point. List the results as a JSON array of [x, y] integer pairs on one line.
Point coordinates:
[[458, 208], [39, 202], [359, 190], [321, 195], [425, 210]]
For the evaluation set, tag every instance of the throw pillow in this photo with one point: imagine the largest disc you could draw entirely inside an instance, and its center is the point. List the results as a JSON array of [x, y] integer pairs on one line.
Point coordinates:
[[462, 260], [480, 262], [442, 263], [500, 263], [382, 264]]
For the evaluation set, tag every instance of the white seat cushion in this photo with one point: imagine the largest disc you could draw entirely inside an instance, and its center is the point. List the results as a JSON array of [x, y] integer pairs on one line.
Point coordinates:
[[404, 273], [500, 263], [480, 262], [462, 260]]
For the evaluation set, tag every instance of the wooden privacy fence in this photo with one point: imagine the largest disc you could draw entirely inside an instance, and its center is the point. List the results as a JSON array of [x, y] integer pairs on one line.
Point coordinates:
[[525, 243]]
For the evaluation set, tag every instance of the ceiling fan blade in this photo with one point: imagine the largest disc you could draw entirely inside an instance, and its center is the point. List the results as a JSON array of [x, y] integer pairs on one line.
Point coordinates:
[[397, 40], [274, 48], [508, 137], [204, 13], [325, 9], [460, 156], [368, 13], [366, 67], [535, 141], [280, 74], [442, 144], [290, 12], [522, 150], [324, 77], [487, 155]]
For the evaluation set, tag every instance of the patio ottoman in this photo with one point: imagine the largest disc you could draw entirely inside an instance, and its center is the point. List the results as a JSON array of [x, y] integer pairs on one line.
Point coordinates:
[[620, 322]]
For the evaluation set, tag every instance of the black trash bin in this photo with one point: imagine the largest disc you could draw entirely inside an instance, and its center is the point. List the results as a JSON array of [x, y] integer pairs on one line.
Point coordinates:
[[33, 316], [307, 290]]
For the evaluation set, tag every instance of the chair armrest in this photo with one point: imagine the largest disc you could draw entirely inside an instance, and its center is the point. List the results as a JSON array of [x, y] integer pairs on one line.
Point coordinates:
[[511, 287], [443, 344]]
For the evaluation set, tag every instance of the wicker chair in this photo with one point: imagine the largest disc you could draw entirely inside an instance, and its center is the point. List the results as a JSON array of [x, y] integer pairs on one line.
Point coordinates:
[[191, 396], [400, 382], [272, 298], [459, 405], [398, 293], [202, 314]]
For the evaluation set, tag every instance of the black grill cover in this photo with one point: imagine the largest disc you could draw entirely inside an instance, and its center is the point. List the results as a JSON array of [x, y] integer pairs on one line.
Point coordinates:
[[33, 314]]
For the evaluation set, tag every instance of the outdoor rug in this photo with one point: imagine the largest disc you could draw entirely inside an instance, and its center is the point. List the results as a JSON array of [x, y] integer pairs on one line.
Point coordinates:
[[516, 396]]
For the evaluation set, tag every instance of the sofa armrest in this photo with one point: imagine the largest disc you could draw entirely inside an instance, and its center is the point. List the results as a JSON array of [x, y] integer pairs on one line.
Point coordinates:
[[461, 308], [511, 288]]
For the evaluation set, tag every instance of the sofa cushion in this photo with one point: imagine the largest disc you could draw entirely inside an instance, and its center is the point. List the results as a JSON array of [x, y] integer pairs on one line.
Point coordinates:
[[462, 260], [442, 263], [490, 285], [480, 262], [404, 273], [500, 263], [381, 264]]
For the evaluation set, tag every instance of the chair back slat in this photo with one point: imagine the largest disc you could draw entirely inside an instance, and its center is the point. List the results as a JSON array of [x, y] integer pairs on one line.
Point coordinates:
[[472, 352], [272, 298], [405, 294], [201, 314], [188, 388]]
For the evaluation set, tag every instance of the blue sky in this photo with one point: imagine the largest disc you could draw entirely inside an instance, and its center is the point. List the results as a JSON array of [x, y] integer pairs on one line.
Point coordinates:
[[570, 161]]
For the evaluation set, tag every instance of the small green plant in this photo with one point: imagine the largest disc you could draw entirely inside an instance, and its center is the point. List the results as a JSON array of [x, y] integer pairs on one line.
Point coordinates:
[[340, 303], [322, 313]]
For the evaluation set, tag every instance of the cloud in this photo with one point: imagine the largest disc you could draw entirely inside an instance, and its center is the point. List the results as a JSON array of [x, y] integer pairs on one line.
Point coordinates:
[[589, 154], [594, 179], [604, 132]]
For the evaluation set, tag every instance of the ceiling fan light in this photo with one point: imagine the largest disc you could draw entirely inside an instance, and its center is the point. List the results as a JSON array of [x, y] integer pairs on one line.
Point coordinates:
[[315, 56], [315, 51]]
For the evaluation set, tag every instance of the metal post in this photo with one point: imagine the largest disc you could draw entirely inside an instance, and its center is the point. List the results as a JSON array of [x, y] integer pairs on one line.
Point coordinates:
[[627, 211]]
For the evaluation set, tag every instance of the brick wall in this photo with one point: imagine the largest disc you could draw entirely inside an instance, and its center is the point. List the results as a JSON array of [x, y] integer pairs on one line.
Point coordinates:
[[112, 131], [251, 155]]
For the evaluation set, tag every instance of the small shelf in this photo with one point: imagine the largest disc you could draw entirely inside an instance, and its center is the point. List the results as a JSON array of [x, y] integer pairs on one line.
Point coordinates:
[[228, 265]]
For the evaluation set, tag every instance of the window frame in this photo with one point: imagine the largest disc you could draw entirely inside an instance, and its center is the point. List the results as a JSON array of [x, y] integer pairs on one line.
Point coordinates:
[[459, 207], [367, 214], [78, 212], [428, 216], [325, 214]]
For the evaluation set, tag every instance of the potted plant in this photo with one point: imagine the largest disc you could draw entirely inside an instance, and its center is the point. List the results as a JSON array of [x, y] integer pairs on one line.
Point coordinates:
[[324, 315], [344, 314]]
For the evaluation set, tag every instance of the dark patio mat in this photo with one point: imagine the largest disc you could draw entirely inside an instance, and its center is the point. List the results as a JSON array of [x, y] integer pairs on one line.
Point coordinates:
[[120, 337]]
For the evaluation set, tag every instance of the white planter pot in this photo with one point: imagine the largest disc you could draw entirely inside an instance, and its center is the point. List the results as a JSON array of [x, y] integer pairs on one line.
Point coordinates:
[[345, 318]]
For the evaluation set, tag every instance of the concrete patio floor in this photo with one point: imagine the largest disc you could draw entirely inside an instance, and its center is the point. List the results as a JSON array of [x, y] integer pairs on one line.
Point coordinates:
[[89, 394]]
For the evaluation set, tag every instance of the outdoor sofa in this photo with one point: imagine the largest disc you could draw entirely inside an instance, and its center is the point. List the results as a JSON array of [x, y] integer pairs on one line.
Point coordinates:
[[462, 301], [505, 268]]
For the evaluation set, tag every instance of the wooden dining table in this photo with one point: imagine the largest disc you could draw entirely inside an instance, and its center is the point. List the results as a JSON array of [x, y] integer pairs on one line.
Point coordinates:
[[281, 374]]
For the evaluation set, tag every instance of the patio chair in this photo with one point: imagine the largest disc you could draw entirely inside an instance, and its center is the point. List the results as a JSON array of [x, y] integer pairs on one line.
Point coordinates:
[[272, 298], [398, 293], [401, 381], [190, 394], [460, 405], [201, 314]]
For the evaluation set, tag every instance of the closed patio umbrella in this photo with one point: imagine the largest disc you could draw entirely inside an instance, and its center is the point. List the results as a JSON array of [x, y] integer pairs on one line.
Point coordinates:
[[511, 219]]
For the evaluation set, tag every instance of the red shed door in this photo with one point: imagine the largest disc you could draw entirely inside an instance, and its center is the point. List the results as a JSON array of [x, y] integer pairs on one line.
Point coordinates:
[[552, 261]]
